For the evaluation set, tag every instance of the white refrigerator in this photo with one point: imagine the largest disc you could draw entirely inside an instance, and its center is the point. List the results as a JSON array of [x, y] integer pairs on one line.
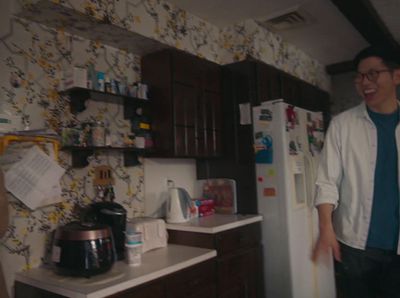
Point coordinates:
[[287, 143]]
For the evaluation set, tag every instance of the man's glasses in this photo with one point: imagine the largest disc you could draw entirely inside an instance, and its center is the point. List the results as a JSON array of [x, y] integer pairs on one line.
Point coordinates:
[[371, 75]]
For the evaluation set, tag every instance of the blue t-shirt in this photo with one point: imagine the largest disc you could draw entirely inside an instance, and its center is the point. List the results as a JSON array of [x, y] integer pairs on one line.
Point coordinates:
[[384, 225]]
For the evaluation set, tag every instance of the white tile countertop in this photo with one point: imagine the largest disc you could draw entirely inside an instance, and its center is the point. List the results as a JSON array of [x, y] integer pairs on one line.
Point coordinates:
[[215, 223], [155, 263]]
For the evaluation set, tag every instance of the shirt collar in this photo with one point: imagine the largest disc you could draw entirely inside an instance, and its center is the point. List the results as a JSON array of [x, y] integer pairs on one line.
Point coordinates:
[[362, 112]]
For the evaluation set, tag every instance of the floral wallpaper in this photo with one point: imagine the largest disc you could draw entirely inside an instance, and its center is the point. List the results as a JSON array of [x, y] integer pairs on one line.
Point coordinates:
[[35, 54]]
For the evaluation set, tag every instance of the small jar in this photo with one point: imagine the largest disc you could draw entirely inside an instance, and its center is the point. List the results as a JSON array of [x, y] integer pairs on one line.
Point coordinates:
[[133, 254], [98, 134]]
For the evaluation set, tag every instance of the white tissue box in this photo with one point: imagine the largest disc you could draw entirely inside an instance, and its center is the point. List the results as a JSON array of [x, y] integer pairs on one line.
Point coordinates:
[[75, 77], [154, 232]]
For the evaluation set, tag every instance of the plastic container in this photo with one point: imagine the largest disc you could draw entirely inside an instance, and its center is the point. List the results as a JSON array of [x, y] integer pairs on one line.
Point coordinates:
[[133, 238], [133, 254]]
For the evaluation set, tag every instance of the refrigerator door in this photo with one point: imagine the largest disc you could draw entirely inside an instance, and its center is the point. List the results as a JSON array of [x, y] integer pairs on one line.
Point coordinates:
[[287, 141]]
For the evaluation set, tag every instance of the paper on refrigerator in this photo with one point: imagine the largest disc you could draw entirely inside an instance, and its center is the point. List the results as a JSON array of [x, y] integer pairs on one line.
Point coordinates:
[[33, 177]]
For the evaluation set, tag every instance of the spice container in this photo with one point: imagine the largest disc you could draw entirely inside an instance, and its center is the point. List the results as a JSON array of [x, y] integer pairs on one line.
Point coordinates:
[[98, 134], [133, 248]]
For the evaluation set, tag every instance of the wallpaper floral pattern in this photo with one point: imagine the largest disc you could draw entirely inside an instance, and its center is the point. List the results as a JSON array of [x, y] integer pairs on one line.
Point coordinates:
[[34, 56]]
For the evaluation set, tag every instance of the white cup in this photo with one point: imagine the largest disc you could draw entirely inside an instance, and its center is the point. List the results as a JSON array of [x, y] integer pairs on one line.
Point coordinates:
[[133, 254]]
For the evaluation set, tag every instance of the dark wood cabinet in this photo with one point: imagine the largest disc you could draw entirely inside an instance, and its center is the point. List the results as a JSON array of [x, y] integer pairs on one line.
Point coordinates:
[[252, 82], [238, 274], [192, 282], [186, 104], [239, 258]]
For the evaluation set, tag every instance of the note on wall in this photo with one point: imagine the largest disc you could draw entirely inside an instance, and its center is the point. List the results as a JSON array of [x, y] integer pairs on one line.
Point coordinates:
[[245, 113], [34, 179]]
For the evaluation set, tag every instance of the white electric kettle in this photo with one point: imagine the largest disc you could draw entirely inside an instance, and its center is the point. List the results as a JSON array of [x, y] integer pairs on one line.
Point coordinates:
[[179, 204]]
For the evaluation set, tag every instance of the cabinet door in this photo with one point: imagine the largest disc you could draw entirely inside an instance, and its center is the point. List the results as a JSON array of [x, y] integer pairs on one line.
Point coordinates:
[[186, 69], [185, 141], [185, 105], [269, 83], [193, 282], [291, 89], [211, 76], [185, 119], [209, 124], [238, 274]]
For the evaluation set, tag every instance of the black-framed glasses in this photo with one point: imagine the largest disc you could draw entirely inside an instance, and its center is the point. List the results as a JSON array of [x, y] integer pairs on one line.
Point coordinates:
[[371, 75]]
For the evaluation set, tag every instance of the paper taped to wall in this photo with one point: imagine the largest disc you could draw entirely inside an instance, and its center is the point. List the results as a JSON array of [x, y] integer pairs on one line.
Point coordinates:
[[34, 178]]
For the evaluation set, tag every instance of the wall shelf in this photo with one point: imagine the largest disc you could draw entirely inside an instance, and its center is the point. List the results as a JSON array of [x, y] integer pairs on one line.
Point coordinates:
[[80, 154], [78, 97]]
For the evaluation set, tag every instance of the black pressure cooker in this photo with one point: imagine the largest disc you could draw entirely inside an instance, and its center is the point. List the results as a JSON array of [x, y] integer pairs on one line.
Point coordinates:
[[112, 214], [83, 249]]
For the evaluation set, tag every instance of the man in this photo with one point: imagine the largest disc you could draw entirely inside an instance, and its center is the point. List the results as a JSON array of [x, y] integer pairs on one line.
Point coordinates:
[[357, 187]]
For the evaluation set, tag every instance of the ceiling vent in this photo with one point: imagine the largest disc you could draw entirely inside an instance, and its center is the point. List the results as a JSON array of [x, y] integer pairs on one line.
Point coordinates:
[[290, 19]]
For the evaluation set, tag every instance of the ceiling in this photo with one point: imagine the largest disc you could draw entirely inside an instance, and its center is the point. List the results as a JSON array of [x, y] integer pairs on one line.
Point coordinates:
[[334, 31]]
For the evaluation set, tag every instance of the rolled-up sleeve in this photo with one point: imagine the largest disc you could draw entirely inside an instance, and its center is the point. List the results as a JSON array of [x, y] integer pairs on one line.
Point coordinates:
[[329, 173]]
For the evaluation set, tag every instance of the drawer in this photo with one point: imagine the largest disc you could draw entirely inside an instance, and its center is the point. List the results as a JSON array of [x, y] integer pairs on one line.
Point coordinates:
[[191, 282], [240, 238]]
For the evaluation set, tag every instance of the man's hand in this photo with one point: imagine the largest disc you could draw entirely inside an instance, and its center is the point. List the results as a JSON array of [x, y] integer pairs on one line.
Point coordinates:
[[327, 238], [326, 244]]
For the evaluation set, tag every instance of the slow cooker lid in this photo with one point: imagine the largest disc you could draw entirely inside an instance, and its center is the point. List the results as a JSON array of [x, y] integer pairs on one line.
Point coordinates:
[[83, 231]]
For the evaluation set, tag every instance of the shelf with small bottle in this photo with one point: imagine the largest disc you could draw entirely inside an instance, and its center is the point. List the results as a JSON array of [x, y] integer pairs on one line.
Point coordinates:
[[80, 154], [78, 97], [85, 139]]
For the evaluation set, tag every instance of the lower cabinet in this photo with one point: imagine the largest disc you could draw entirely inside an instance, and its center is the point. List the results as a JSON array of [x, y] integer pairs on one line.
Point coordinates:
[[239, 258], [238, 274], [197, 281]]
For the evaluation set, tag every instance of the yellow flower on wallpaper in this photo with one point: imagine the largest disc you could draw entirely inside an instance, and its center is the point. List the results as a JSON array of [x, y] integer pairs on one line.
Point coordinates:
[[24, 232], [178, 45], [52, 94], [97, 44], [73, 185], [27, 267], [86, 200], [23, 213], [67, 206], [90, 9], [129, 191], [54, 217], [16, 241]]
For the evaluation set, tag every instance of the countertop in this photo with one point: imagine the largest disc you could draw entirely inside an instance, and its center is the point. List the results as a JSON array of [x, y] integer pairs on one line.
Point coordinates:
[[215, 223], [155, 263]]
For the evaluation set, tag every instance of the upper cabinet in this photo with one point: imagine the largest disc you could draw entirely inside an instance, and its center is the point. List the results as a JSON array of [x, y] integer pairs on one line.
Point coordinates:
[[246, 84], [186, 104]]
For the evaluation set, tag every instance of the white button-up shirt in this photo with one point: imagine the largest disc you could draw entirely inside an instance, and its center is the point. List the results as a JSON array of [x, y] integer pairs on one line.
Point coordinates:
[[346, 171]]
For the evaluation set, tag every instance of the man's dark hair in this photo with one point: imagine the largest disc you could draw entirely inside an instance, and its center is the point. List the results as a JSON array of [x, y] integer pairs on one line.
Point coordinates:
[[389, 57]]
